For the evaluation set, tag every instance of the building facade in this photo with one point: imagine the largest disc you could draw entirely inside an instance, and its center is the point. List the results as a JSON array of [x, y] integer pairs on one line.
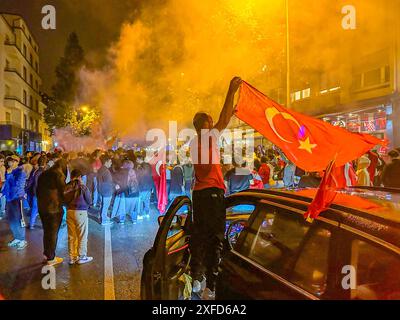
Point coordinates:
[[21, 110], [349, 78]]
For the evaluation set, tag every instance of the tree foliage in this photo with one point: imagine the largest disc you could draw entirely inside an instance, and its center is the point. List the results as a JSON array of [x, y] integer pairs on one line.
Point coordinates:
[[60, 107]]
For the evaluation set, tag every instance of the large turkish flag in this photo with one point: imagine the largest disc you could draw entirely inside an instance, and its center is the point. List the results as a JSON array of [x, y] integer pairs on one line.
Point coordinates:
[[308, 142]]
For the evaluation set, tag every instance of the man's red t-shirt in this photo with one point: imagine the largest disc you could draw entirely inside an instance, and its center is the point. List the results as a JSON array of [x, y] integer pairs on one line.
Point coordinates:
[[206, 160]]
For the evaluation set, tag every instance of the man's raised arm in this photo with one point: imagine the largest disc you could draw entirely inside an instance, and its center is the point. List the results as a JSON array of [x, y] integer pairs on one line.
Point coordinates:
[[227, 110]]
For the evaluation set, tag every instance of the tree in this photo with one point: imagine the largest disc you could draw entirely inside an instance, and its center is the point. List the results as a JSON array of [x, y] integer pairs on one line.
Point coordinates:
[[82, 120], [66, 87]]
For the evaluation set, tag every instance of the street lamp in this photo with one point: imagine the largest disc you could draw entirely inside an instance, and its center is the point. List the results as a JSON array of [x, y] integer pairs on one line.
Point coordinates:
[[287, 56]]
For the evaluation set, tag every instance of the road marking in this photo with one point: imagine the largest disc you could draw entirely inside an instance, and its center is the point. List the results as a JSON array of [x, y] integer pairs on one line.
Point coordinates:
[[109, 290]]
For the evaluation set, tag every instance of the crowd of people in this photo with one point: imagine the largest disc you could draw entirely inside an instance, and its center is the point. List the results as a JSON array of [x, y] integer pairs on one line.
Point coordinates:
[[116, 184], [63, 187], [271, 169]]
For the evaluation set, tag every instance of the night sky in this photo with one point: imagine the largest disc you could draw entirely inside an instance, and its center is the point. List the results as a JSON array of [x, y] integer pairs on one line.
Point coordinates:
[[97, 23]]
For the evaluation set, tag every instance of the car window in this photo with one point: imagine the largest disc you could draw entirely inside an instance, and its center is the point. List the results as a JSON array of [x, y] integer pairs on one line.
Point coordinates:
[[311, 268], [377, 272], [274, 238]]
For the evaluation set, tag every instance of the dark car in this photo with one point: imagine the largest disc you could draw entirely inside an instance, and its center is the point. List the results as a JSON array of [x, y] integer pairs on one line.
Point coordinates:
[[351, 251]]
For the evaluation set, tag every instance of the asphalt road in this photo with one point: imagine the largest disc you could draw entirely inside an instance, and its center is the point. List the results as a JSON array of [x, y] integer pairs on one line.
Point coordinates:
[[114, 274]]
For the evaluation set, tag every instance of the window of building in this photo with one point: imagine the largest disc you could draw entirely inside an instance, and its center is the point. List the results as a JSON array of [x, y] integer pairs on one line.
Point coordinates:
[[37, 85], [7, 40], [37, 125], [7, 90], [36, 67], [306, 93], [301, 94], [24, 98], [376, 272], [371, 78], [36, 105], [8, 117], [25, 122], [24, 51], [30, 123], [31, 80], [7, 64], [31, 59], [31, 102], [24, 74]]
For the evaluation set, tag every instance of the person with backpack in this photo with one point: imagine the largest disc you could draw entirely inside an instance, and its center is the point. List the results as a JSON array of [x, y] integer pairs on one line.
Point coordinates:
[[177, 183], [188, 175], [106, 189], [131, 191], [39, 164], [78, 200], [146, 185]]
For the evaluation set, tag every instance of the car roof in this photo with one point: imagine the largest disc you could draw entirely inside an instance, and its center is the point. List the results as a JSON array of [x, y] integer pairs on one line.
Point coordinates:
[[375, 211]]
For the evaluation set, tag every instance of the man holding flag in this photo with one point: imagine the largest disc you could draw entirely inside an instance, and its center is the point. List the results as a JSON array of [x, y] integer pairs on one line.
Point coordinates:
[[209, 213]]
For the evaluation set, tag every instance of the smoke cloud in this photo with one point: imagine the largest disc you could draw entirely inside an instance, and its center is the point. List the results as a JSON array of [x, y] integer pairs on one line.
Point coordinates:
[[176, 57]]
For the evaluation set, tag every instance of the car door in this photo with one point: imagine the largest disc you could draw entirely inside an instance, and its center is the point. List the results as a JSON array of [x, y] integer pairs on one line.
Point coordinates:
[[168, 260], [269, 260]]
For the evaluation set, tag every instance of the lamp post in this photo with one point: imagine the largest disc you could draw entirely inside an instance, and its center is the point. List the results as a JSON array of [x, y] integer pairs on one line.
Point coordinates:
[[288, 102]]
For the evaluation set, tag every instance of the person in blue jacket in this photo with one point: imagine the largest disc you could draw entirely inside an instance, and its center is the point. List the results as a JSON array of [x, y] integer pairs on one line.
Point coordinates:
[[14, 191]]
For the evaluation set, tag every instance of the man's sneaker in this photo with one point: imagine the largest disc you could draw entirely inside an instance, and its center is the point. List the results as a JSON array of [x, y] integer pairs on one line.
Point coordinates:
[[140, 217], [107, 223], [72, 261], [22, 244], [199, 285], [147, 216], [13, 243], [208, 294], [122, 223], [84, 260], [55, 261]]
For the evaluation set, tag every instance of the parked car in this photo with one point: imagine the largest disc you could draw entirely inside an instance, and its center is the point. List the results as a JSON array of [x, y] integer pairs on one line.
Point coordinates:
[[351, 251]]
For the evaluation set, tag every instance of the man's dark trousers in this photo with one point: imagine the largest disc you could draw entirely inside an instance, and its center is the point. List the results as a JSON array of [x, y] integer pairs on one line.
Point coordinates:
[[207, 234], [51, 225]]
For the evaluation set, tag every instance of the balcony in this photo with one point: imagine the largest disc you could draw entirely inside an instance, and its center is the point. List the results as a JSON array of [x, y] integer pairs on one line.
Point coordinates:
[[15, 103], [15, 52], [15, 72]]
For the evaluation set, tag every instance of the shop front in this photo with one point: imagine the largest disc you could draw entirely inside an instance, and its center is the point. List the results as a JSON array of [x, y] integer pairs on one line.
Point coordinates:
[[15, 139], [375, 121]]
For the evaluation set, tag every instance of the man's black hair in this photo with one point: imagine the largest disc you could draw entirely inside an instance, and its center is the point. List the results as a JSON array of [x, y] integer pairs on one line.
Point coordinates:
[[394, 153], [104, 158], [199, 119], [76, 173]]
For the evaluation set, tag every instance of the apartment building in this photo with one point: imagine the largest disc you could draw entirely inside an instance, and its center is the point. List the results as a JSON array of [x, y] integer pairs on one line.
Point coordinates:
[[349, 78], [21, 110]]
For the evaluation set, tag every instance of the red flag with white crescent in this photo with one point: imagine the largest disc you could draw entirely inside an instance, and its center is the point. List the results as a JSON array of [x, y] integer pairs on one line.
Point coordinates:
[[308, 142]]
